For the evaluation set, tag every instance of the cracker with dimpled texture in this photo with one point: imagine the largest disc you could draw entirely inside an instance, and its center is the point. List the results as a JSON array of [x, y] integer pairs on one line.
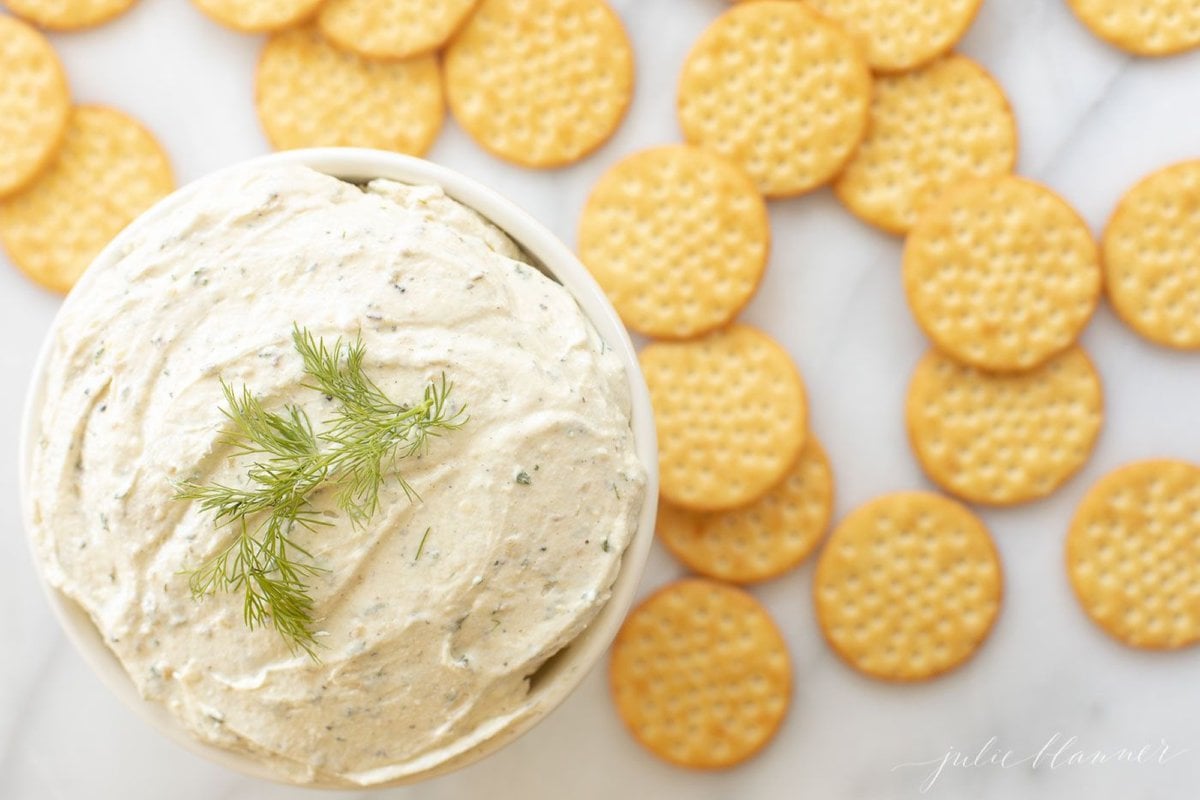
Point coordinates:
[[731, 413], [908, 586], [34, 104], [900, 35], [1142, 27], [778, 89], [678, 237], [761, 540], [540, 83], [1133, 554], [392, 28], [1004, 438], [930, 129], [1151, 253], [700, 674], [1001, 273], [258, 16], [65, 15], [109, 170], [310, 94]]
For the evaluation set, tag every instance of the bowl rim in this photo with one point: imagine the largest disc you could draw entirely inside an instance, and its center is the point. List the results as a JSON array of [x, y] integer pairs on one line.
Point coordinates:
[[359, 165]]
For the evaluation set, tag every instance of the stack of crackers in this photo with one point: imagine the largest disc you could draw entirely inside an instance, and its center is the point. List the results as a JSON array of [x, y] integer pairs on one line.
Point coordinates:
[[778, 98]]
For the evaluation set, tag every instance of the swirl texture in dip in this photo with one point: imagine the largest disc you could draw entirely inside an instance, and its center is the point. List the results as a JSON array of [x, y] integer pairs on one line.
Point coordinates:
[[528, 508]]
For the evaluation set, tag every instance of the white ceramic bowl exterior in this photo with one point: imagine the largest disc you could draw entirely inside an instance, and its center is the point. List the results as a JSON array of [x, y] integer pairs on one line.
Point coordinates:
[[559, 678]]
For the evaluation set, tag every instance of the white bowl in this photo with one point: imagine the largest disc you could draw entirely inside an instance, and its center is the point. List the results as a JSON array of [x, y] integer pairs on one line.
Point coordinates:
[[559, 678]]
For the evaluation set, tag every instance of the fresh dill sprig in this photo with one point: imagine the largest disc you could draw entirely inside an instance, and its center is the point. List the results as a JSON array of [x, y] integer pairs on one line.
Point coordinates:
[[370, 433], [364, 441]]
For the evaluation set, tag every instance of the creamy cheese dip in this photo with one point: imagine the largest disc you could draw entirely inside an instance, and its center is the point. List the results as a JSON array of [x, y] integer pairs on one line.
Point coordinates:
[[528, 507]]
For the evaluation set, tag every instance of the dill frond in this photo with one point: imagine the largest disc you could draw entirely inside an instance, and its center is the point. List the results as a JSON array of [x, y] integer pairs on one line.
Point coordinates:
[[364, 442]]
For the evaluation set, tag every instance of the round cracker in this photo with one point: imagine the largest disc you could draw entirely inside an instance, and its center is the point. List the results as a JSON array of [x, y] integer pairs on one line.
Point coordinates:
[[1158, 28], [778, 89], [678, 237], [67, 15], [1133, 554], [908, 586], [109, 170], [311, 94], [1151, 253], [34, 104], [542, 84], [1001, 273], [392, 28], [258, 16], [731, 413], [930, 129], [762, 540], [901, 35], [700, 674], [998, 438]]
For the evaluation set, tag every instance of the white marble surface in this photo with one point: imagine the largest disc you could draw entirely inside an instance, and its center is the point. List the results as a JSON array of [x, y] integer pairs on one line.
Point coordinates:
[[1092, 121]]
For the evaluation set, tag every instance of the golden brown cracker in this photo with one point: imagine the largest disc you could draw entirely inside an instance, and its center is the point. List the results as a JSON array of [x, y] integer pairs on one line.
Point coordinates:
[[109, 170], [930, 129], [311, 94], [1133, 554], [762, 540], [908, 586], [258, 16], [1004, 438], [1151, 254], [541, 84], [34, 104], [678, 238], [1001, 273], [731, 413], [392, 28], [900, 35], [700, 674], [65, 15], [778, 89], [1142, 27]]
